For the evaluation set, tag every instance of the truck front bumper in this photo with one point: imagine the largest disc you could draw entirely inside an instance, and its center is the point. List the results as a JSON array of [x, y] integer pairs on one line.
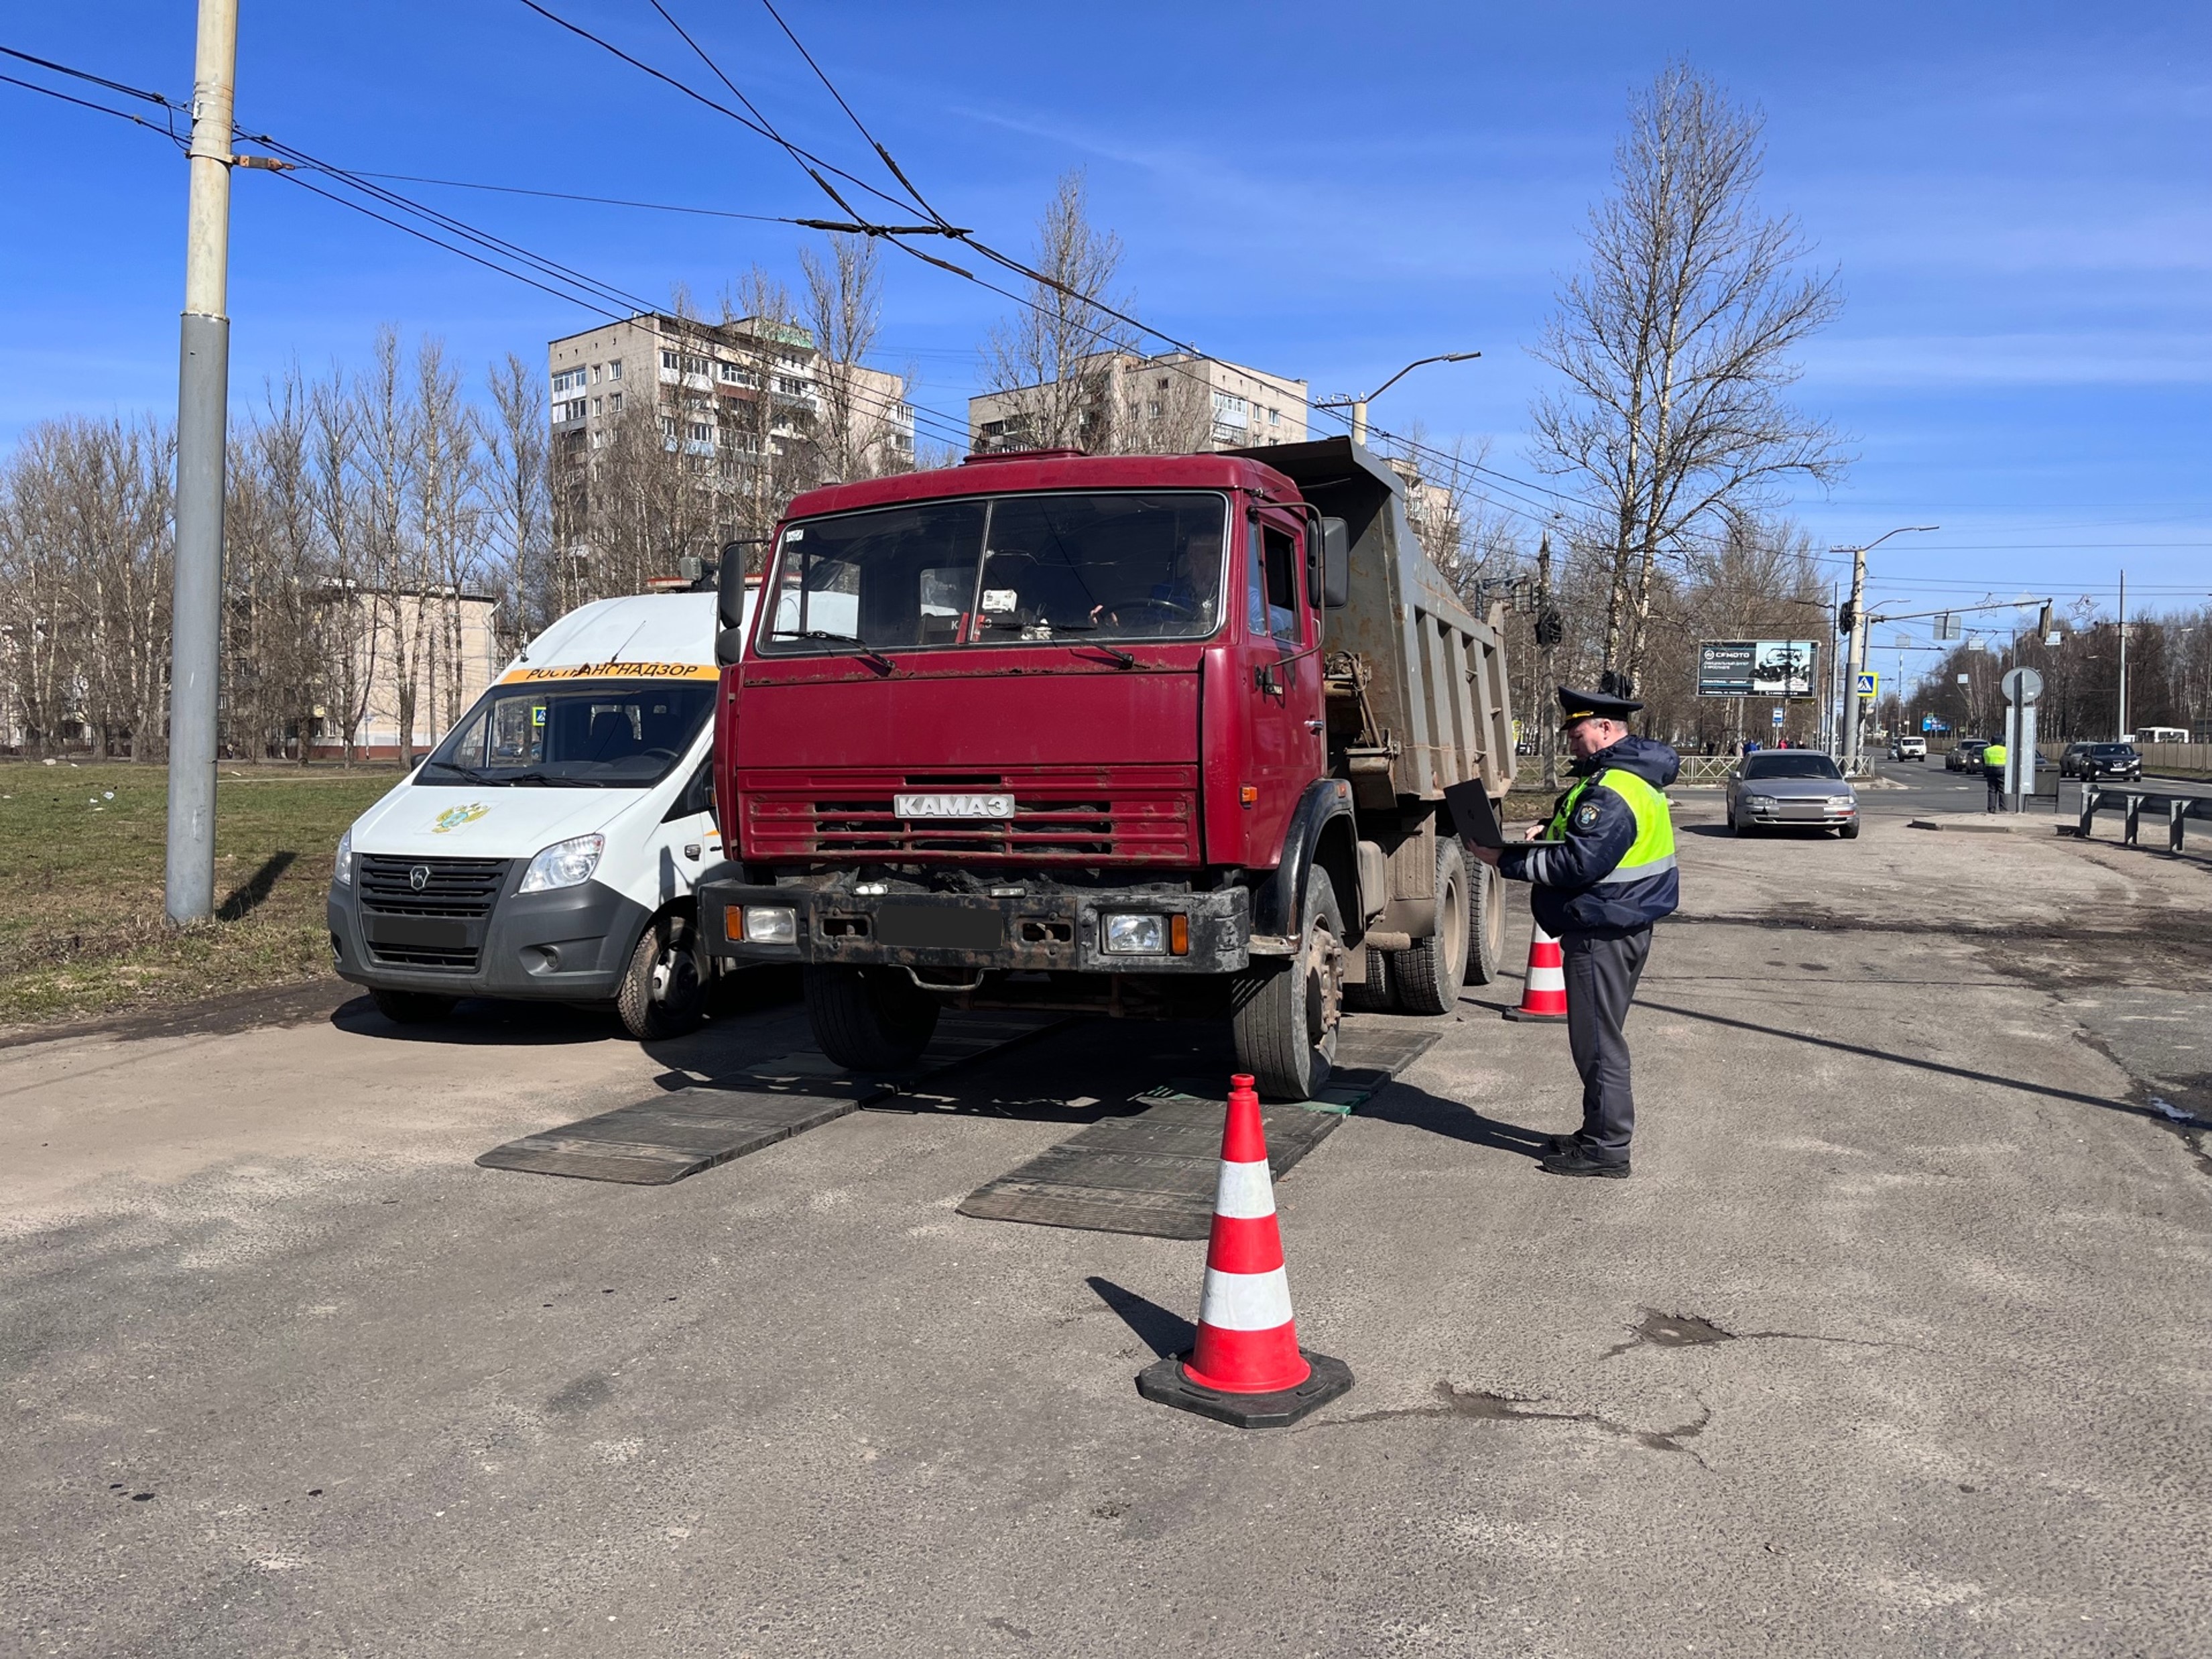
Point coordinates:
[[1034, 930]]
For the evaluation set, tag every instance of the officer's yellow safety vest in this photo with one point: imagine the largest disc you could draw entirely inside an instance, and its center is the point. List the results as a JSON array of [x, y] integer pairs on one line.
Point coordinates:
[[1993, 755], [1653, 849]]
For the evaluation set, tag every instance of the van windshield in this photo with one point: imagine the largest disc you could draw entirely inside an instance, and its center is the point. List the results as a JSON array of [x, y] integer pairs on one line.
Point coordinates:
[[1001, 570], [574, 734]]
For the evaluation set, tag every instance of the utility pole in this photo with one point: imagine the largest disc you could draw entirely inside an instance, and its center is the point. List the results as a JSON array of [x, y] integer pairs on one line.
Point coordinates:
[[1851, 706], [202, 419], [2126, 730], [1548, 638]]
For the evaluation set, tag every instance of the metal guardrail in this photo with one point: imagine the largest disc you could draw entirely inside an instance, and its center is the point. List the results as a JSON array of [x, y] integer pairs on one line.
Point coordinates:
[[2130, 803]]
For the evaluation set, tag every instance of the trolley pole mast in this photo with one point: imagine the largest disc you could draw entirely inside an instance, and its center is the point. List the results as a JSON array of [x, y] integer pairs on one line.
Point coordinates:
[[202, 417]]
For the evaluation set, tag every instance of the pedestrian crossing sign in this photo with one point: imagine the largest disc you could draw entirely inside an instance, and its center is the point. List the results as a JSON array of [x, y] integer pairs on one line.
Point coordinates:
[[1869, 684]]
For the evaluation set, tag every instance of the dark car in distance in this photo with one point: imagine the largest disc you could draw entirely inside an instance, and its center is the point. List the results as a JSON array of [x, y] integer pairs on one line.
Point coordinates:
[[1966, 755], [2092, 761]]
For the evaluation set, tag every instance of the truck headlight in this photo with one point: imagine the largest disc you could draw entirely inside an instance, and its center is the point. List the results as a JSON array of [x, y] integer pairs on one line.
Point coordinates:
[[564, 864], [343, 873], [1136, 936], [771, 924]]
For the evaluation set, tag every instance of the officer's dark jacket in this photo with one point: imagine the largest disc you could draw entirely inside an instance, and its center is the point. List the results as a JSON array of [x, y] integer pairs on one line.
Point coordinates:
[[1570, 875]]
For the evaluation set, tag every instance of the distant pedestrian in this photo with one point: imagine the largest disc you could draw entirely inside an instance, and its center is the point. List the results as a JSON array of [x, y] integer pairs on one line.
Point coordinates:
[[1603, 873], [1993, 771]]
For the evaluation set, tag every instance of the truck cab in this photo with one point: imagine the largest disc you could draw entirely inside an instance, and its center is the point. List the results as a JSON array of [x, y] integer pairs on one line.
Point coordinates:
[[1047, 730], [549, 846]]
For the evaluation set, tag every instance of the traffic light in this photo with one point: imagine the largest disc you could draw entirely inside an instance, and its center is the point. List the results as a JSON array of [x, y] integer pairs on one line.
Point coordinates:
[[1847, 617], [1550, 626]]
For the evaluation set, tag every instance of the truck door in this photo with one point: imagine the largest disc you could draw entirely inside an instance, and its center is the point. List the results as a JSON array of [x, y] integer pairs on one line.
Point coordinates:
[[1286, 749]]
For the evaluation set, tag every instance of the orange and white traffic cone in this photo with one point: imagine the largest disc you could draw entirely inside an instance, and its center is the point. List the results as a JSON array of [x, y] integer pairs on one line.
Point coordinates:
[[1247, 1367], [1543, 992]]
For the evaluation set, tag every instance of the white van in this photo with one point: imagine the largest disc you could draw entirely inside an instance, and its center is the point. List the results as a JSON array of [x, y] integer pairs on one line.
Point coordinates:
[[548, 847], [2160, 734]]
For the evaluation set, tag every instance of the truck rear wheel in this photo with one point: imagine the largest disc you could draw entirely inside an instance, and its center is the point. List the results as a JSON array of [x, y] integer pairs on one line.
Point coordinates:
[[1285, 1012], [1431, 971], [1374, 997], [873, 1020], [1487, 938]]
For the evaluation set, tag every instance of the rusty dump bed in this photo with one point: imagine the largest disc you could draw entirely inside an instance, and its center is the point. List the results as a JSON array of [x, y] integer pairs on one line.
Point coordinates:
[[1418, 693]]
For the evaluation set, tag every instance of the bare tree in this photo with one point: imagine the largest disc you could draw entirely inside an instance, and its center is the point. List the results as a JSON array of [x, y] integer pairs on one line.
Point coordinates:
[[516, 478], [1676, 345], [844, 310], [274, 567], [349, 621], [1058, 356]]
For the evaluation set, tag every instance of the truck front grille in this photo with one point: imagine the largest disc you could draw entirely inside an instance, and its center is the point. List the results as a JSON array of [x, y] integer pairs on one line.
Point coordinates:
[[1148, 826]]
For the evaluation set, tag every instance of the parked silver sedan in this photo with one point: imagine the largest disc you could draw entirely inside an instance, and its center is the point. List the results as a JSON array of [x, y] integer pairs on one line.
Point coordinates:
[[1791, 787]]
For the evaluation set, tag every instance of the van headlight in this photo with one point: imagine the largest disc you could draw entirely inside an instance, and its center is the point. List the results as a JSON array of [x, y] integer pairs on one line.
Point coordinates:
[[564, 864], [343, 874]]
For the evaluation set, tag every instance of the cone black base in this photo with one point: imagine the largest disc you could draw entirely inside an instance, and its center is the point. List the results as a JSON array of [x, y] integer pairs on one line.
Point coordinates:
[[1538, 1019], [1165, 1383]]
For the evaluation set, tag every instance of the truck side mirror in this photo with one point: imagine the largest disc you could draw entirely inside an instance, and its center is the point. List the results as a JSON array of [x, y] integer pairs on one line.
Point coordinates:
[[1329, 565], [729, 585]]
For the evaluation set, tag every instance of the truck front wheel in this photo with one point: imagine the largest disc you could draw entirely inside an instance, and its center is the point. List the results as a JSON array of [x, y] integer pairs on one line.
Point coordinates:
[[1283, 1016], [873, 1020]]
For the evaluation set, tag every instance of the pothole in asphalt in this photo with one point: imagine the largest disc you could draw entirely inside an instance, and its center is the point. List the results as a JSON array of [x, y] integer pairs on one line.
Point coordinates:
[[1670, 1330]]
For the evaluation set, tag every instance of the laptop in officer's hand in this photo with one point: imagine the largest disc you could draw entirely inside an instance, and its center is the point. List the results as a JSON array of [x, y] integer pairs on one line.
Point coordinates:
[[1473, 815]]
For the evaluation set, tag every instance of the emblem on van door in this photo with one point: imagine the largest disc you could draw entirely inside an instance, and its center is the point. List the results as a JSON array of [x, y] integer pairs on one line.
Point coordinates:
[[454, 817], [419, 876]]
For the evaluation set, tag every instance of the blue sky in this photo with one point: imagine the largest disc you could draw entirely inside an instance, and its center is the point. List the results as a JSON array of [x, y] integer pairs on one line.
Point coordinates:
[[2015, 197]]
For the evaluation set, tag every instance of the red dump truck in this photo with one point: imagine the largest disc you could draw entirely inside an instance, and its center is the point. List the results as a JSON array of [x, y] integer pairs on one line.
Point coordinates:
[[1150, 736]]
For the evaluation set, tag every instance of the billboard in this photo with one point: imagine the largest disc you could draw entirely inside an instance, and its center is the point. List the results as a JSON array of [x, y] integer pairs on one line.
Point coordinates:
[[1757, 668]]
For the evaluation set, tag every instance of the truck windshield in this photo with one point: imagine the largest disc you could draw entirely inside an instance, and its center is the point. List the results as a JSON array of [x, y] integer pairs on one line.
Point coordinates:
[[1001, 570], [573, 734]]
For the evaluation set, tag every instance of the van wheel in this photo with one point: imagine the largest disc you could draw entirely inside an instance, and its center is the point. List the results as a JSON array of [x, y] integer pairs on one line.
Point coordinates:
[[1374, 997], [873, 1020], [1486, 934], [413, 1007], [1431, 970], [1283, 1014], [662, 994]]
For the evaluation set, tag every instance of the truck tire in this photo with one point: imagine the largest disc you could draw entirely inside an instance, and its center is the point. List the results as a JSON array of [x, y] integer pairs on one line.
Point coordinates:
[[1285, 1012], [412, 1007], [662, 993], [873, 1020], [1374, 997], [1487, 936], [1430, 970]]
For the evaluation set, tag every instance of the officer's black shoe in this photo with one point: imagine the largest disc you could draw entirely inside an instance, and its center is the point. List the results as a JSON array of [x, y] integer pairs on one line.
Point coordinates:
[[1559, 1144], [1579, 1161]]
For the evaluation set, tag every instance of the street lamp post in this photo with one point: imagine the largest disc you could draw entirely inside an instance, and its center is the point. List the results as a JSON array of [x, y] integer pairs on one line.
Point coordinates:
[[1850, 720], [1359, 405]]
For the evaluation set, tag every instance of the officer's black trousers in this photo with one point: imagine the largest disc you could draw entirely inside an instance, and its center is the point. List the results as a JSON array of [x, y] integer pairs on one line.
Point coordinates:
[[1994, 776], [1602, 975]]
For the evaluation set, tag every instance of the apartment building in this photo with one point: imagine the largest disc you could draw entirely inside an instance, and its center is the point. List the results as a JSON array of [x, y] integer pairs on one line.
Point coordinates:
[[724, 393], [1175, 402]]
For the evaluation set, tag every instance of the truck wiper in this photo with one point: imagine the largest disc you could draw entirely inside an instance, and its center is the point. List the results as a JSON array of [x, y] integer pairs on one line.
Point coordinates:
[[867, 652]]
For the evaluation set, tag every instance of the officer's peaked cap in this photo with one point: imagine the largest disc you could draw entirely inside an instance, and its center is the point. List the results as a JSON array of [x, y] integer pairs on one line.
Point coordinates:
[[1594, 705]]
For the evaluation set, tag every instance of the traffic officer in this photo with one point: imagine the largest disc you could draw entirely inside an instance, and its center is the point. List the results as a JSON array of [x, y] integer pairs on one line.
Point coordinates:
[[1603, 873], [1993, 770]]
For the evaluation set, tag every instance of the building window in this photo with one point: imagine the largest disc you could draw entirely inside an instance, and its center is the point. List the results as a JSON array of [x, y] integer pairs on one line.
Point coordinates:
[[668, 425], [614, 403], [1274, 418], [614, 369], [702, 432], [568, 379], [595, 373], [598, 405], [1152, 409], [668, 360]]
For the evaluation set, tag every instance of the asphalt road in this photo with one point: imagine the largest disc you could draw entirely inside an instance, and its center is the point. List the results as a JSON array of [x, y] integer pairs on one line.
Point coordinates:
[[1893, 1345]]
